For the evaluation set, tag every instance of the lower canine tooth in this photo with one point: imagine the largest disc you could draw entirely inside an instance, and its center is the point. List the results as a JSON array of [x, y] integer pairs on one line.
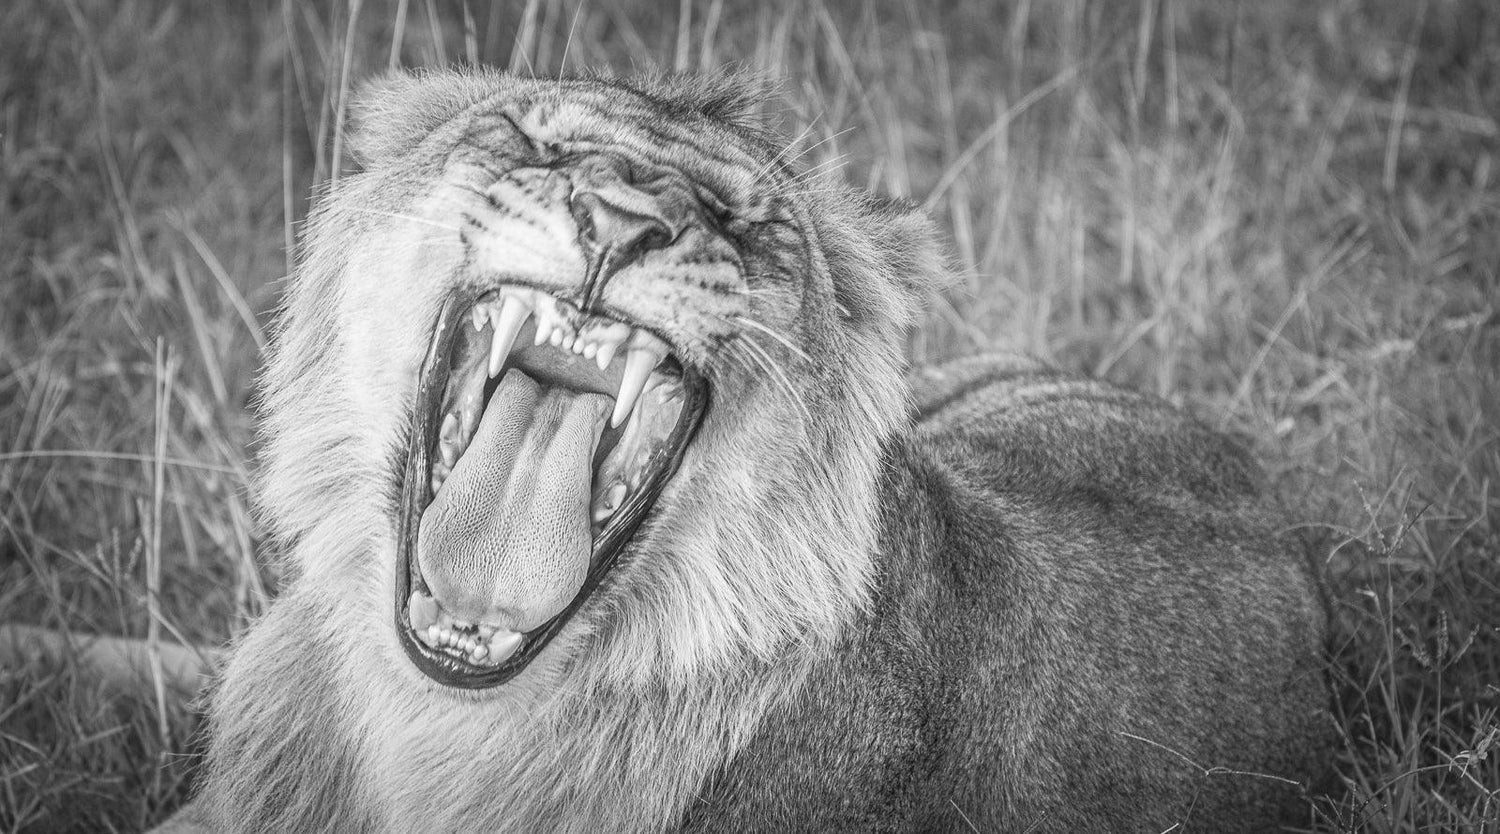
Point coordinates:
[[421, 611], [505, 644]]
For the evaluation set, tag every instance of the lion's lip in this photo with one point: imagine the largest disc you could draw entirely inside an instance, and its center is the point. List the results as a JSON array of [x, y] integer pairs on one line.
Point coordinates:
[[475, 653]]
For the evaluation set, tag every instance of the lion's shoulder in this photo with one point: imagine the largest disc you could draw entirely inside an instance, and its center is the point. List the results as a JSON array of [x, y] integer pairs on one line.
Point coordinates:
[[1017, 425]]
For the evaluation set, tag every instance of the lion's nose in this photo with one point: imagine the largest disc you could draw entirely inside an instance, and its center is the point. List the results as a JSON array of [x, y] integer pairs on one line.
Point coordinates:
[[628, 231], [621, 218]]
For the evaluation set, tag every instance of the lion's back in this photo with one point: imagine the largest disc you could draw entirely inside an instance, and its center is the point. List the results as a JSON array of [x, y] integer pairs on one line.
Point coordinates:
[[1137, 590], [1086, 618]]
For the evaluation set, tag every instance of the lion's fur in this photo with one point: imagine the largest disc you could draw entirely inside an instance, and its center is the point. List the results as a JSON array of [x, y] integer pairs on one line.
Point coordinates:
[[833, 611]]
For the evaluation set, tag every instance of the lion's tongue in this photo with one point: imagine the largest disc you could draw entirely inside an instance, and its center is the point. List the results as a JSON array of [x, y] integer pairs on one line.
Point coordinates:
[[506, 541]]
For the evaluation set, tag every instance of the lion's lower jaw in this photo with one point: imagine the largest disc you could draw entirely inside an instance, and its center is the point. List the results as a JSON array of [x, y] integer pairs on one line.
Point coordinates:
[[766, 560], [612, 728], [558, 749]]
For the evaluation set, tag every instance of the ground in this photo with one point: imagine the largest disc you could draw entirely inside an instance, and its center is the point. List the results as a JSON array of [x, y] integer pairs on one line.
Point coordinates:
[[1283, 215]]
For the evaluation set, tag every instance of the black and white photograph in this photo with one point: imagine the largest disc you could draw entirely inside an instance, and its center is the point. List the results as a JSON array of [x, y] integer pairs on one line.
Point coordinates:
[[723, 416]]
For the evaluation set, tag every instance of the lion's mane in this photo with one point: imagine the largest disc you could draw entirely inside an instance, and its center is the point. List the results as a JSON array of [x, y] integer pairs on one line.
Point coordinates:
[[763, 542]]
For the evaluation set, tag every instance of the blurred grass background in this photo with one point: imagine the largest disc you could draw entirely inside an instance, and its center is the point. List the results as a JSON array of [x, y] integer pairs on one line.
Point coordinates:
[[1282, 214]]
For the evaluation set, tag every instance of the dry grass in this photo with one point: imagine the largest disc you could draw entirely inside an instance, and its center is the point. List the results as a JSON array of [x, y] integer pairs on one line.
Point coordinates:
[[1281, 213]]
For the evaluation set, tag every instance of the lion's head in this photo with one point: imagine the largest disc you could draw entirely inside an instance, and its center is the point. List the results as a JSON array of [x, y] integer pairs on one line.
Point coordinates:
[[584, 375]]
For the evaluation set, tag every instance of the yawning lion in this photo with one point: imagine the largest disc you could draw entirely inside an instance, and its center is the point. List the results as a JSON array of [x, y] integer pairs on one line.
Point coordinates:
[[611, 507]]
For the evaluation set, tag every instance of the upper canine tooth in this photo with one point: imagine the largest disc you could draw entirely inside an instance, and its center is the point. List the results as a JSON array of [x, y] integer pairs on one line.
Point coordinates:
[[513, 314], [639, 363]]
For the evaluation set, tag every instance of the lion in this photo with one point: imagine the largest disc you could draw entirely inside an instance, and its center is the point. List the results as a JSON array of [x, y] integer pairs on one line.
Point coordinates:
[[610, 505]]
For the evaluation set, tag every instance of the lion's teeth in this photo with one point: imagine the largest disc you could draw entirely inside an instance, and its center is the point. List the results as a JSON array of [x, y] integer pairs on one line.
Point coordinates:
[[480, 316], [449, 440], [606, 354], [638, 365], [421, 611], [513, 314], [645, 353], [504, 645], [609, 501]]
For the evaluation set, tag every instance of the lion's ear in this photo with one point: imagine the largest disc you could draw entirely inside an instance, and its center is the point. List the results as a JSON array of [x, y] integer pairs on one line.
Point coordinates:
[[909, 242], [905, 252], [391, 113]]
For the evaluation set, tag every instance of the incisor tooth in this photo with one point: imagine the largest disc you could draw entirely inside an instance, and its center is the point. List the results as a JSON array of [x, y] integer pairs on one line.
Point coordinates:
[[606, 354], [639, 363], [513, 313]]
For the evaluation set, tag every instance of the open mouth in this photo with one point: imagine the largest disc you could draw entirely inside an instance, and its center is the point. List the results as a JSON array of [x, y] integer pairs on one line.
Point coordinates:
[[541, 438]]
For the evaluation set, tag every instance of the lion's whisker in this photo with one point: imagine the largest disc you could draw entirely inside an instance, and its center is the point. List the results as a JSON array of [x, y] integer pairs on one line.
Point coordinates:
[[803, 152], [394, 215], [787, 343], [757, 352]]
